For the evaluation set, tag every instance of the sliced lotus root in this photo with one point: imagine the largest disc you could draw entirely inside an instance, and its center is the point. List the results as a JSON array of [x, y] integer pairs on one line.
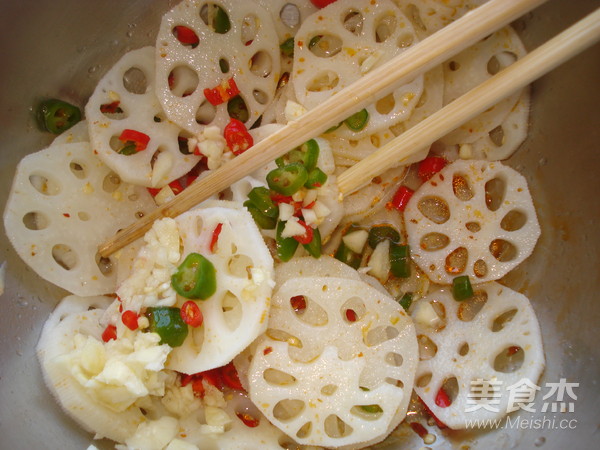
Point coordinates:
[[343, 41], [472, 67], [63, 204], [336, 365], [124, 99], [475, 350], [80, 315], [473, 218], [77, 133], [237, 312], [235, 40], [505, 139], [287, 15]]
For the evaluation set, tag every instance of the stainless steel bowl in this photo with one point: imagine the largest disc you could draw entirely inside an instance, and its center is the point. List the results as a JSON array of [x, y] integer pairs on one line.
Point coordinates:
[[62, 48]]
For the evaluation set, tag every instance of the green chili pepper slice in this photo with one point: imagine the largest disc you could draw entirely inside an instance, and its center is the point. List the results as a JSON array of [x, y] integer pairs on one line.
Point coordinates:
[[287, 47], [262, 221], [261, 198], [57, 116], [166, 321], [347, 256], [128, 150], [357, 121], [221, 21], [381, 232], [310, 150], [286, 247], [400, 260], [314, 246], [461, 288], [195, 278], [371, 409], [237, 108], [287, 180], [406, 300], [316, 179], [333, 128]]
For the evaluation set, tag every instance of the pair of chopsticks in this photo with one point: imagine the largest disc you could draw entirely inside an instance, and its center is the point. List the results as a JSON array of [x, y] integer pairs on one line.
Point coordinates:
[[416, 60]]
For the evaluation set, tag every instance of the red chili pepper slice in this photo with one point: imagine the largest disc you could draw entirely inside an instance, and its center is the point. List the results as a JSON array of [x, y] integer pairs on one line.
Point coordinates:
[[307, 237], [213, 376], [419, 429], [176, 187], [198, 387], [186, 35], [298, 303], [442, 399], [191, 314], [401, 198], [430, 166], [186, 379], [231, 377], [140, 140], [237, 137], [110, 332], [351, 315], [280, 198], [222, 93], [110, 108], [215, 237], [441, 425], [130, 319], [248, 420]]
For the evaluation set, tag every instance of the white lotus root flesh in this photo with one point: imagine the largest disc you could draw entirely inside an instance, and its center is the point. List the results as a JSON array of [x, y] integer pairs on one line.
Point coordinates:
[[126, 95], [237, 312], [473, 218], [346, 40], [63, 204], [248, 52], [351, 346], [476, 351]]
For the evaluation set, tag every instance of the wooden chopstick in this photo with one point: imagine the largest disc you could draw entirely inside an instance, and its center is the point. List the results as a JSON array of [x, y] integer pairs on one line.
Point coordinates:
[[516, 76], [416, 60]]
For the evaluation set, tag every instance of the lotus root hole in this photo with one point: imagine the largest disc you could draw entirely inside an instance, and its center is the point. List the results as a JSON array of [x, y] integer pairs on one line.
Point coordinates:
[[367, 412], [353, 22], [386, 104], [35, 221], [232, 310], [473, 227], [45, 185], [283, 336], [468, 309], [336, 427], [394, 359], [501, 321], [513, 220], [462, 188], [324, 81], [495, 190], [454, 66], [250, 29], [111, 182], [385, 27], [105, 265], [463, 349], [405, 40], [83, 216], [325, 46], [434, 241], [308, 311], [500, 61], [413, 13], [240, 265], [440, 311], [260, 96], [379, 335], [205, 113], [480, 268], [277, 377], [288, 409], [135, 81], [78, 170], [224, 65], [509, 360], [304, 431], [261, 64], [503, 250], [329, 389], [497, 136], [423, 380], [435, 209], [211, 13], [427, 348], [175, 33], [290, 15], [183, 81], [64, 256], [353, 310], [456, 261], [451, 388]]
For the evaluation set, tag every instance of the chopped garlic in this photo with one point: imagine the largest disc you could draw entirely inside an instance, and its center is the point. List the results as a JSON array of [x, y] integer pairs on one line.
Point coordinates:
[[216, 417], [178, 444], [286, 211], [310, 217], [465, 151], [321, 210], [211, 144], [165, 195], [293, 228], [424, 314], [162, 167], [370, 62], [154, 434], [356, 240], [379, 263], [293, 110]]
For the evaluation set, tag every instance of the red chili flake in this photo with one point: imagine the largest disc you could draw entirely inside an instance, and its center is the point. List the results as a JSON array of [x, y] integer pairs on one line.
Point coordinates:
[[298, 303], [153, 191], [191, 314], [110, 332], [215, 237], [110, 108], [222, 93], [351, 315], [442, 399], [430, 166], [311, 205], [267, 350], [130, 319], [67, 215], [237, 137], [176, 187], [419, 429], [512, 350], [307, 237], [231, 377], [401, 198], [186, 379], [248, 420]]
